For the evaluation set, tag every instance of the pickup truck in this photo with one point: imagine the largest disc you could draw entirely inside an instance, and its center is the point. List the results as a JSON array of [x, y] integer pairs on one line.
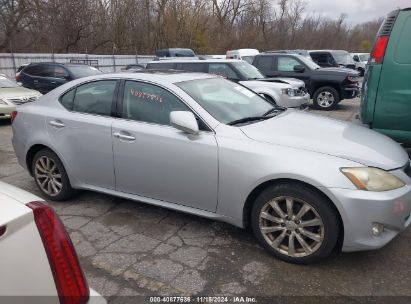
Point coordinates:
[[327, 86]]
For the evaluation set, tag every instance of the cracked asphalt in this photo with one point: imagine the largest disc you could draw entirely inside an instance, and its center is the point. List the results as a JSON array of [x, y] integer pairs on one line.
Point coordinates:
[[128, 248]]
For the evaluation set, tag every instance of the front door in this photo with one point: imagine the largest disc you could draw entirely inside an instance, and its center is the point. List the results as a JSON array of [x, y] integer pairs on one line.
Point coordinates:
[[155, 160]]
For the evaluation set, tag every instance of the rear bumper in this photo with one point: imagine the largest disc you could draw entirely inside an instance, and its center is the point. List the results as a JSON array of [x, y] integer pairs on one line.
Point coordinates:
[[363, 209]]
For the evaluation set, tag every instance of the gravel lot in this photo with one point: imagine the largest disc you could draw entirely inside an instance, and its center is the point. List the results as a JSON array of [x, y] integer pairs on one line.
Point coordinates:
[[132, 249]]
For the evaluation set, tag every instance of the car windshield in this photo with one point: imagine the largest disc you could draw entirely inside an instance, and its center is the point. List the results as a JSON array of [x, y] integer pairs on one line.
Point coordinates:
[[247, 70], [248, 59], [83, 71], [343, 57], [6, 83], [308, 62], [226, 101], [364, 57]]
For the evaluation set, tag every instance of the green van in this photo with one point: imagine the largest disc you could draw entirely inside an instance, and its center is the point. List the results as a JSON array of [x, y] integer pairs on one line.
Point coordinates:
[[386, 95]]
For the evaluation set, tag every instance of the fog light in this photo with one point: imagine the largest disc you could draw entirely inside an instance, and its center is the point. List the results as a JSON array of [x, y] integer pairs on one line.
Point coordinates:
[[377, 229]]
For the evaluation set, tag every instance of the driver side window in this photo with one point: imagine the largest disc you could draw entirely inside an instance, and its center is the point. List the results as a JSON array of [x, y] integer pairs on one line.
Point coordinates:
[[287, 64], [149, 103]]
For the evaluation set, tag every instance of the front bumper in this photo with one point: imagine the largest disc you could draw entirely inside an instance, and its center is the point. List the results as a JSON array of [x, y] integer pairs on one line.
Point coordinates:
[[299, 102], [361, 209], [5, 110], [350, 92]]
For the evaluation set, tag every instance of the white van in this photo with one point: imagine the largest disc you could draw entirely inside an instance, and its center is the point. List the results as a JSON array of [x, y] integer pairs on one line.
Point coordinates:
[[242, 54]]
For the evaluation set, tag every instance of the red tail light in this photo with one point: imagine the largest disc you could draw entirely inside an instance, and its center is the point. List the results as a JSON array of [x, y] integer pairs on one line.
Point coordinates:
[[378, 52], [71, 284], [13, 116], [17, 77]]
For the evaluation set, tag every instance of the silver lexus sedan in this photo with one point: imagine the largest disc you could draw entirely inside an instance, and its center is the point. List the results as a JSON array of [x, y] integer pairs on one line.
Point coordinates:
[[197, 143]]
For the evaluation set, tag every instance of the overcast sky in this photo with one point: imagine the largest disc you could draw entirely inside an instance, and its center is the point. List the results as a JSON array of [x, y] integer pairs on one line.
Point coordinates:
[[357, 11]]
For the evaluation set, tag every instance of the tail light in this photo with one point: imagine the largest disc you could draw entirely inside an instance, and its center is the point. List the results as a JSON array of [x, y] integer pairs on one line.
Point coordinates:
[[17, 77], [71, 285], [378, 52], [13, 116]]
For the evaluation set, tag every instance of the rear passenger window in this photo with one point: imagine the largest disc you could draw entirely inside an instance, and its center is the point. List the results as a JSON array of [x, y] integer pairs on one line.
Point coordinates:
[[192, 67], [95, 97], [265, 64], [403, 50], [222, 69]]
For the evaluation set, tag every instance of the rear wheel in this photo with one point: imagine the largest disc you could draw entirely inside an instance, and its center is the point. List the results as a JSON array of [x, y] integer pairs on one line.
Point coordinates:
[[326, 98], [295, 223], [50, 176]]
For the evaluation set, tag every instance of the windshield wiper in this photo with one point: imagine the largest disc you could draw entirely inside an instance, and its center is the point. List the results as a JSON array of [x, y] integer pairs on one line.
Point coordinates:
[[276, 110], [247, 119]]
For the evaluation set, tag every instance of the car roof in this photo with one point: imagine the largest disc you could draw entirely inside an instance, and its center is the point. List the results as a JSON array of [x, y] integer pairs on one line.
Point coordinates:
[[66, 64], [196, 61], [170, 76], [331, 51]]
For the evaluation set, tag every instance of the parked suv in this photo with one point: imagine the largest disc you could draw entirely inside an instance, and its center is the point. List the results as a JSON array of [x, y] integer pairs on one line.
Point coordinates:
[[333, 58], [386, 98], [327, 86], [286, 92], [46, 76]]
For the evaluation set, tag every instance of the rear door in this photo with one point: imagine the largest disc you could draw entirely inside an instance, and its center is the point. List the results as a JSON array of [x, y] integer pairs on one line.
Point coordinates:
[[393, 104], [81, 132], [266, 65]]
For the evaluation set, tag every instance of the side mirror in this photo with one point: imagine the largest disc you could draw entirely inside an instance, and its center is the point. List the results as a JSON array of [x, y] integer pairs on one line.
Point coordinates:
[[299, 68], [184, 121], [356, 58]]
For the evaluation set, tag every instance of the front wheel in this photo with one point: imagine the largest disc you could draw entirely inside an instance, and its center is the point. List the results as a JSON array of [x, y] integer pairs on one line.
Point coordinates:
[[295, 223], [326, 98], [50, 176]]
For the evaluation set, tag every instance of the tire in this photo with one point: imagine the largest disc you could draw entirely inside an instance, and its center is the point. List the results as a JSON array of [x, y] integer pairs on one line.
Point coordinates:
[[45, 176], [323, 234], [326, 98]]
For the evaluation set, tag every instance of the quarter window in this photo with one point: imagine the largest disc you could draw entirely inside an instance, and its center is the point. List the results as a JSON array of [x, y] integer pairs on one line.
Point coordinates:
[[67, 99], [95, 97], [287, 64], [149, 103]]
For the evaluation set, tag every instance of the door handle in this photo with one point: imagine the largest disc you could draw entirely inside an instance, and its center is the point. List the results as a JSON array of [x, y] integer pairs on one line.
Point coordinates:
[[56, 123], [124, 136], [53, 82]]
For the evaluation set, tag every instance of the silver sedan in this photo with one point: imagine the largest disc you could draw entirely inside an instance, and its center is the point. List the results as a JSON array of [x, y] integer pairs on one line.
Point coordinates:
[[197, 143]]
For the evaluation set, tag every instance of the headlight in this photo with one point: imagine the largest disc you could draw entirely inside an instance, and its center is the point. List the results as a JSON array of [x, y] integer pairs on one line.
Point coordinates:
[[353, 79], [372, 179], [289, 92]]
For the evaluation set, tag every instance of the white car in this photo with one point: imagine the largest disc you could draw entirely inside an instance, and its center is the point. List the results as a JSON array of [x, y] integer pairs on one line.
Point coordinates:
[[12, 95], [242, 54], [360, 60], [38, 263]]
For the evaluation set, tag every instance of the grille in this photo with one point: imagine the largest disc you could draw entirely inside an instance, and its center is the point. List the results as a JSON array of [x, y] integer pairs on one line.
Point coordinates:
[[19, 101], [388, 24]]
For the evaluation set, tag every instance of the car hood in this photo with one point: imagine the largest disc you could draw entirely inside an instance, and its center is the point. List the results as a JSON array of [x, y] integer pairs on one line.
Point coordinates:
[[294, 82], [342, 71], [17, 92], [329, 136]]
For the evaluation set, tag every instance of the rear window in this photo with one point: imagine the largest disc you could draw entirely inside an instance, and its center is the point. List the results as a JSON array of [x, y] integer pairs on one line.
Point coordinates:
[[192, 67], [403, 49], [161, 65], [83, 71]]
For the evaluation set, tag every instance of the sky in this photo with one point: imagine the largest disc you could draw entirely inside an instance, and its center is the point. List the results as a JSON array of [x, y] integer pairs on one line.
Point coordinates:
[[358, 11]]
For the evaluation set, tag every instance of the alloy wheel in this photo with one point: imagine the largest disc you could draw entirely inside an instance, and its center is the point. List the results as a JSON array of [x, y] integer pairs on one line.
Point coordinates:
[[291, 226], [48, 176], [325, 99]]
